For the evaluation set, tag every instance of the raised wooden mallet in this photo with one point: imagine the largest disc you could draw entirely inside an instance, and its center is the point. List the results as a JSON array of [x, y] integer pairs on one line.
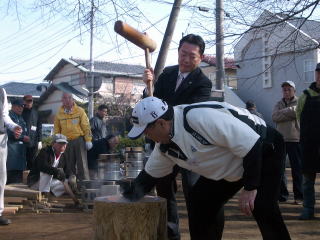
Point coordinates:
[[138, 38]]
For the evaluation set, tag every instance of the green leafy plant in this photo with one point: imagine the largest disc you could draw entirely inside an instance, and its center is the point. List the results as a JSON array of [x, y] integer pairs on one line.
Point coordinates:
[[127, 142], [46, 141]]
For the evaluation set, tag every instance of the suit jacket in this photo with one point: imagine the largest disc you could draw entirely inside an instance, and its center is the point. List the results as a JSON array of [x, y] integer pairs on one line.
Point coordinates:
[[100, 146], [43, 163], [195, 88], [34, 126]]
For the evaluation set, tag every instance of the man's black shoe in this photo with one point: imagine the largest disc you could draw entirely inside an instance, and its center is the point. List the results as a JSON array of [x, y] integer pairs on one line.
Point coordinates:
[[4, 221]]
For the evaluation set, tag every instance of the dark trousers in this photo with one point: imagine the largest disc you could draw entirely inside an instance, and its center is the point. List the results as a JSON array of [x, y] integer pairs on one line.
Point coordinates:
[[76, 158], [30, 156], [14, 176], [166, 188], [207, 197], [293, 149]]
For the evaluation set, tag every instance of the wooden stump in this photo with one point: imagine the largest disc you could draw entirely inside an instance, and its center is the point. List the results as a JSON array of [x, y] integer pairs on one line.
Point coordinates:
[[116, 218]]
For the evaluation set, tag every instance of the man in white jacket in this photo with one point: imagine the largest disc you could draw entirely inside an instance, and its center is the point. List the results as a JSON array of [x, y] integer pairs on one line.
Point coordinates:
[[228, 147], [5, 121]]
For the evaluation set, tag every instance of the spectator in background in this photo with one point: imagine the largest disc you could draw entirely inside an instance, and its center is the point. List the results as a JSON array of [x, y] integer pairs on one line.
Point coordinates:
[[98, 123], [284, 115], [308, 113], [49, 172], [34, 129], [72, 121], [252, 108], [101, 146], [16, 161], [5, 121]]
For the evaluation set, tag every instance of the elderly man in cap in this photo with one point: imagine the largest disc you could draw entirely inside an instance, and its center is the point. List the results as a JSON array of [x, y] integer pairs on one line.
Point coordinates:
[[284, 115], [49, 172], [16, 160], [5, 122], [72, 121], [228, 147], [34, 129], [308, 112]]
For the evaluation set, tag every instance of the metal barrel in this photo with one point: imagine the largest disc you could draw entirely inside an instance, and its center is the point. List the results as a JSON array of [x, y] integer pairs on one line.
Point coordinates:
[[109, 167], [134, 161]]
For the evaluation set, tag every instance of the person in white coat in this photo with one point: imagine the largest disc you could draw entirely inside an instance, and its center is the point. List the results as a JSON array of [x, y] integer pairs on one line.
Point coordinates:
[[5, 122]]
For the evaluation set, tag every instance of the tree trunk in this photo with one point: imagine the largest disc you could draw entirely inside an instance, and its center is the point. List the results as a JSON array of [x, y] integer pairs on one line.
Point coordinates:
[[119, 219]]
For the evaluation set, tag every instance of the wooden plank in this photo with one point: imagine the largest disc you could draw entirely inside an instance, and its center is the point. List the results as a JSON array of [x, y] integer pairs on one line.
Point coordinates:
[[15, 205], [15, 199], [10, 191]]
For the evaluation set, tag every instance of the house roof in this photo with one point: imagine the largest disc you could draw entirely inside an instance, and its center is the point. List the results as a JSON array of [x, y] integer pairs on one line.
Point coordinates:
[[211, 60], [108, 69], [280, 36], [18, 89], [310, 27]]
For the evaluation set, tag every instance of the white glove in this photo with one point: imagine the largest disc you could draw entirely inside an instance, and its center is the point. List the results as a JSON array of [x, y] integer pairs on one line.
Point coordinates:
[[88, 145], [39, 145]]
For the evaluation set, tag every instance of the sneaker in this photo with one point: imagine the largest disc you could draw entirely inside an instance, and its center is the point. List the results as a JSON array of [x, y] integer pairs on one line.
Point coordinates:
[[298, 202], [306, 215], [4, 221]]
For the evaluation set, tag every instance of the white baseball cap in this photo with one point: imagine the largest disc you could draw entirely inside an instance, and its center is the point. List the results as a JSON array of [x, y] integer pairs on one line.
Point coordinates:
[[290, 83], [146, 111]]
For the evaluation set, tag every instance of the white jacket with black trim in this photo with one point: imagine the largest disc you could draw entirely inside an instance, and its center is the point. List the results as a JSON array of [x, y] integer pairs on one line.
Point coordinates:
[[229, 132]]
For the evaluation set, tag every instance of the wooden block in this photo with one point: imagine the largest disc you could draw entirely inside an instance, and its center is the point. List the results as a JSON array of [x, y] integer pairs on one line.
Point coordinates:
[[9, 211], [117, 218]]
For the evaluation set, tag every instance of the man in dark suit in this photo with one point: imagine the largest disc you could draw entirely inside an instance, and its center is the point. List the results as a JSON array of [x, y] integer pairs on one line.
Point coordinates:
[[184, 83]]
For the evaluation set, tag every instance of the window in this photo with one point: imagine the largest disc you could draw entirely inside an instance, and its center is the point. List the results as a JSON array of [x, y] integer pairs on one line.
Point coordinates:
[[308, 69]]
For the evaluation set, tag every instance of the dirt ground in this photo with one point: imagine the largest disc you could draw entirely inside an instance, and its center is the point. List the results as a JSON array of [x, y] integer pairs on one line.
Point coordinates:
[[75, 224]]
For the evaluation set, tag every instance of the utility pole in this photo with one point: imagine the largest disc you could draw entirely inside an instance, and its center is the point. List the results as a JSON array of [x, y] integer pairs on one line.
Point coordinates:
[[91, 77], [219, 45], [167, 38]]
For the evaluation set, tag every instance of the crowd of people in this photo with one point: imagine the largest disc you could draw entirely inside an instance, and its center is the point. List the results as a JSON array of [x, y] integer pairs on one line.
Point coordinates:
[[219, 149], [58, 167]]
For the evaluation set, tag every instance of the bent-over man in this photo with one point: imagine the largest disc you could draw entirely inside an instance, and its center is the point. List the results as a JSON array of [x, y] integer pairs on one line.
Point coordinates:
[[49, 173], [228, 147]]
